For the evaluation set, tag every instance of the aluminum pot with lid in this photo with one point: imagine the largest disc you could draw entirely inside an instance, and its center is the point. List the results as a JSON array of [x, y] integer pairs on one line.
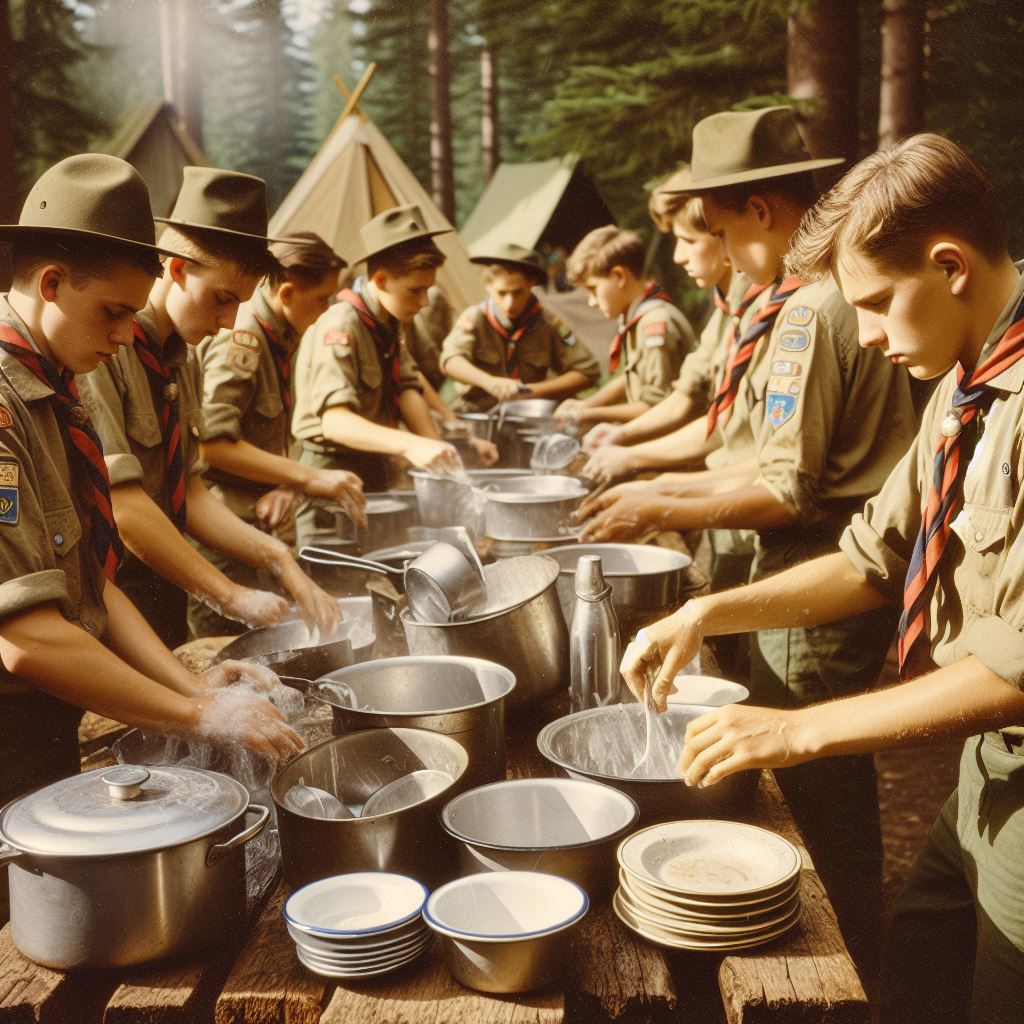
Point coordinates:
[[120, 866]]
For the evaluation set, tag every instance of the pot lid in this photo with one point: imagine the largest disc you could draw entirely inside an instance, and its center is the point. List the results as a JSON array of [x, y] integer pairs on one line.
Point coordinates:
[[122, 809]]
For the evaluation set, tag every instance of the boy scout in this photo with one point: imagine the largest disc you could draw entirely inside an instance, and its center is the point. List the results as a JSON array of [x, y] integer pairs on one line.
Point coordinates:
[[915, 238], [84, 260], [831, 421], [653, 336], [509, 346], [147, 408], [247, 403], [355, 383]]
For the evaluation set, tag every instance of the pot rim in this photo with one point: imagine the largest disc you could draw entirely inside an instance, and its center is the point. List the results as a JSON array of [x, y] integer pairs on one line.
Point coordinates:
[[632, 574]]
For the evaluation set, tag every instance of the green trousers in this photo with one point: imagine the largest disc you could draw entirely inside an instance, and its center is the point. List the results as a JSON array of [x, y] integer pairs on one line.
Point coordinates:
[[834, 800], [955, 948]]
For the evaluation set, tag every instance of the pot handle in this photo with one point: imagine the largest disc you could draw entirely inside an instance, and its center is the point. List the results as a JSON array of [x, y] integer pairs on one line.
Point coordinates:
[[220, 850], [8, 854]]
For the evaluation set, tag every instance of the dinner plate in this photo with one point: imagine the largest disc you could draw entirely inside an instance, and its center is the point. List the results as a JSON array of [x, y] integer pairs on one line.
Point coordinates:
[[710, 929], [335, 972], [710, 858], [344, 958], [708, 691], [708, 908]]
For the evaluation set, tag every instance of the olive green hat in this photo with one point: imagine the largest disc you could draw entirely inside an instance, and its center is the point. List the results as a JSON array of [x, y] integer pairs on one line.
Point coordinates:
[[515, 257], [751, 145], [227, 202], [90, 195], [395, 227]]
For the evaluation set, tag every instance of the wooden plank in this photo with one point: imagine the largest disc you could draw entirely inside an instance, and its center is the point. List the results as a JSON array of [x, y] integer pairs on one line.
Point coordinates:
[[267, 984], [806, 975], [617, 976], [426, 993]]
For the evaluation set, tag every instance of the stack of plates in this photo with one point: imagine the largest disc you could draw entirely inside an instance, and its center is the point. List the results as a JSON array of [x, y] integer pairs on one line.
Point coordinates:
[[708, 885], [358, 925]]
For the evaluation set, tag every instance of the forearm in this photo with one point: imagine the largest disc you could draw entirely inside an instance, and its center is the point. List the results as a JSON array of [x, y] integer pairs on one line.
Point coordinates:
[[343, 426], [707, 481], [810, 594], [63, 660], [157, 542], [687, 444], [461, 369], [674, 411], [240, 458], [416, 414], [563, 386], [751, 507], [434, 401], [612, 392], [620, 413]]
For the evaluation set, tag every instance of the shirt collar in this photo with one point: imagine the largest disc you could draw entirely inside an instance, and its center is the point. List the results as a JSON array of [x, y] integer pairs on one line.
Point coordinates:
[[1012, 378], [28, 386], [175, 348], [368, 290], [261, 307]]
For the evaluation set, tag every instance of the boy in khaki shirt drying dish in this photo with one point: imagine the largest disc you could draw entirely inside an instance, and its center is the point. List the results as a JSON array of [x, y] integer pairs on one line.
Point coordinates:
[[509, 346], [84, 261], [914, 237]]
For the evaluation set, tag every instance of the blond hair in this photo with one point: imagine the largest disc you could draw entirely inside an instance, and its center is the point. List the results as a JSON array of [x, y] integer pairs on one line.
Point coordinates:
[[406, 258], [670, 203], [891, 203], [604, 248]]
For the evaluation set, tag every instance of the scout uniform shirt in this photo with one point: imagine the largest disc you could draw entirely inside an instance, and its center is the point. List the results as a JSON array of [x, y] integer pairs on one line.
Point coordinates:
[[977, 606], [244, 398], [548, 348], [654, 349], [425, 333]]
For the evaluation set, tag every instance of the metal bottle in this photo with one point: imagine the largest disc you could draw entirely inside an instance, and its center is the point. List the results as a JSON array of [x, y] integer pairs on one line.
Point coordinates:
[[593, 640]]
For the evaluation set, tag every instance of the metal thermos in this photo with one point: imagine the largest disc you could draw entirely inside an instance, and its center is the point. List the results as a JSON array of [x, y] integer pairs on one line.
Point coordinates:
[[593, 640]]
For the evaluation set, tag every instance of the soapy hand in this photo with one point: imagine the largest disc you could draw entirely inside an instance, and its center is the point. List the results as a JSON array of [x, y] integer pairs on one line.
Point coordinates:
[[343, 487], [237, 715], [253, 607], [437, 456], [659, 653], [276, 507], [627, 518], [487, 451], [258, 678], [608, 463], [318, 609], [600, 435]]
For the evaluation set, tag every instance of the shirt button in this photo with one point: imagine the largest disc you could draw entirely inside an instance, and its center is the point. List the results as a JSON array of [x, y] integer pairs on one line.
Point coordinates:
[[979, 536], [58, 539]]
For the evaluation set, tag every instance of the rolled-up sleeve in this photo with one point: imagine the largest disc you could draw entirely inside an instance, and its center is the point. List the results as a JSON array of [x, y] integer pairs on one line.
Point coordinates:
[[462, 338], [228, 389], [102, 393]]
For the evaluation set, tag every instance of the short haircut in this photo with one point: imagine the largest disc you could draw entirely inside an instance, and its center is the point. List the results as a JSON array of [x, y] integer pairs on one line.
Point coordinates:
[[669, 204], [305, 259], [86, 258], [532, 274], [213, 248], [604, 248], [797, 189], [406, 258], [889, 205]]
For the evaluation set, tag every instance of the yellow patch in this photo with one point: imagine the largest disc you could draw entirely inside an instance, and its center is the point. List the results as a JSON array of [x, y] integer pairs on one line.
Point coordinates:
[[9, 474], [6, 419], [245, 339], [243, 359], [338, 338]]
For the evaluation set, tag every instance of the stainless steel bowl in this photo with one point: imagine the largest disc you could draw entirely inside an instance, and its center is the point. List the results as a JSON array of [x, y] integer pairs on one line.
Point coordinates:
[[446, 500], [647, 582], [539, 413], [603, 744], [531, 507], [409, 841], [463, 698], [566, 827], [527, 636]]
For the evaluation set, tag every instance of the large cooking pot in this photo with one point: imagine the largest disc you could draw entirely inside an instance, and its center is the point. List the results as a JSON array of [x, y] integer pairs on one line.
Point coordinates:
[[460, 697], [409, 841], [647, 582], [521, 628], [446, 500], [120, 866], [531, 507], [509, 433], [389, 517]]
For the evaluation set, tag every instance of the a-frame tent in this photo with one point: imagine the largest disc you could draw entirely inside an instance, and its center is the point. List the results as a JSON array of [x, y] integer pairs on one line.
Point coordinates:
[[355, 175], [153, 139]]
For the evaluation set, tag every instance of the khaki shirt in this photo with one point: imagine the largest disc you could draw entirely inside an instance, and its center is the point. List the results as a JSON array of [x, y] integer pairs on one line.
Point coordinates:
[[337, 365], [425, 333], [45, 551], [125, 411], [548, 348], [835, 417], [978, 603], [242, 396], [653, 351]]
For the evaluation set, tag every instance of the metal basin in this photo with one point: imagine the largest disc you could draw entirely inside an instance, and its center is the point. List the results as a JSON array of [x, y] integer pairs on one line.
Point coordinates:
[[565, 827], [647, 582], [446, 500], [389, 517], [527, 635], [531, 507], [603, 745], [460, 697], [409, 841], [539, 413]]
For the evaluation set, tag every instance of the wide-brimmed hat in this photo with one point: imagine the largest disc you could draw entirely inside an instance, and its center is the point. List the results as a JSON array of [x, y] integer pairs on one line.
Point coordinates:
[[227, 202], [90, 195], [751, 145], [395, 227], [515, 257]]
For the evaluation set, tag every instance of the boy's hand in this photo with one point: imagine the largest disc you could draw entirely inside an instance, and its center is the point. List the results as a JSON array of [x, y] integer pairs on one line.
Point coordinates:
[[319, 610], [600, 435], [253, 607], [275, 507], [486, 450], [626, 519], [608, 463], [504, 389], [437, 456], [236, 715], [239, 673], [659, 653], [598, 502], [569, 414], [343, 487]]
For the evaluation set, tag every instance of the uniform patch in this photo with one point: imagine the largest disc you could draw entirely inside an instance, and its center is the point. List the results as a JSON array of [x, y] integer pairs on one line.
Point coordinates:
[[794, 388], [9, 476], [800, 315], [786, 368], [657, 341], [246, 340], [779, 408], [338, 338], [6, 419], [794, 340], [565, 333], [658, 327]]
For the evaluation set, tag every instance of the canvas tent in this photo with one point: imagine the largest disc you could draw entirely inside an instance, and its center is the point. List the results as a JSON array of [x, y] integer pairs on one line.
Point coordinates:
[[356, 175], [153, 140], [550, 201]]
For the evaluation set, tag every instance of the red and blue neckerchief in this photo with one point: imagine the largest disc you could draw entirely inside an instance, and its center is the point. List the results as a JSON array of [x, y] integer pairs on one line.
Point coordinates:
[[283, 362], [652, 293], [388, 343], [512, 334]]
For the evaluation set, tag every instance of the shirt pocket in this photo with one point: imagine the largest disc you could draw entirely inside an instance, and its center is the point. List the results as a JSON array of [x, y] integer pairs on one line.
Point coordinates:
[[984, 531], [268, 404], [64, 531], [143, 428], [371, 374]]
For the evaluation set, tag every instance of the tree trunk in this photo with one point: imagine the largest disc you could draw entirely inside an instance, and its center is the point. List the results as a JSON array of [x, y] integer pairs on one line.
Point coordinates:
[[8, 174], [821, 67], [901, 94], [442, 176], [489, 128]]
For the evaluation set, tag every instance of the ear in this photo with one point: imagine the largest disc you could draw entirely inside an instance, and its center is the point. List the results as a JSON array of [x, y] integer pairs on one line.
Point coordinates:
[[380, 280], [177, 270], [761, 209], [953, 261], [286, 293], [49, 280], [620, 276]]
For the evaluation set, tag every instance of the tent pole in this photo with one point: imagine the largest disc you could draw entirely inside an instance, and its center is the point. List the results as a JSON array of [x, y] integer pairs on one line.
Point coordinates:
[[354, 98]]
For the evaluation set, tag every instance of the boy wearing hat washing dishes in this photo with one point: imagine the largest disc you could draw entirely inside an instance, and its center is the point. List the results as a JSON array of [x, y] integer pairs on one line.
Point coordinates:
[[355, 383], [914, 236], [146, 403], [84, 261], [509, 346], [830, 422], [653, 336], [247, 403]]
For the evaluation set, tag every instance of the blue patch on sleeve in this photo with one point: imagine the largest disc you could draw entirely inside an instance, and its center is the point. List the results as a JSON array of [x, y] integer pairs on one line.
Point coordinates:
[[9, 505], [779, 408]]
